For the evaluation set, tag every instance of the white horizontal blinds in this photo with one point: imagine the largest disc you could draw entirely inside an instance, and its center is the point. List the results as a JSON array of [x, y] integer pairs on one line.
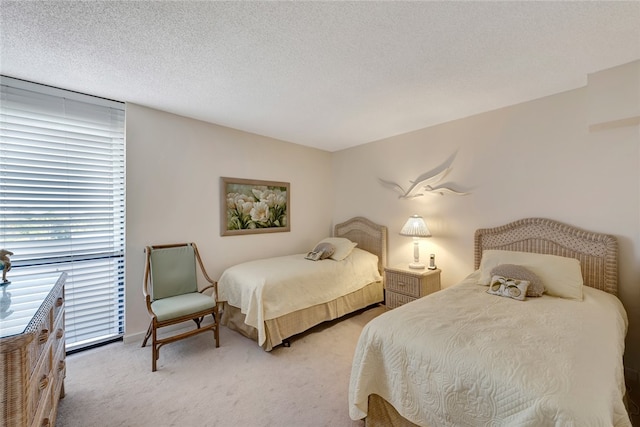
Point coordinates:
[[62, 199]]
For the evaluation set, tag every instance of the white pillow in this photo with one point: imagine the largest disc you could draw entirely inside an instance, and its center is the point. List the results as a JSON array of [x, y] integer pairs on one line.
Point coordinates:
[[561, 276], [343, 247]]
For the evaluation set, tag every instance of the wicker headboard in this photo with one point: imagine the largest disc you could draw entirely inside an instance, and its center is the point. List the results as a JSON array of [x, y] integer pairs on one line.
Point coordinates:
[[368, 235], [597, 253]]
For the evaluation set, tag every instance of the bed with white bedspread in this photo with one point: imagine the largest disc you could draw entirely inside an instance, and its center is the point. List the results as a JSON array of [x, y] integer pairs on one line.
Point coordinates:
[[462, 356], [272, 299]]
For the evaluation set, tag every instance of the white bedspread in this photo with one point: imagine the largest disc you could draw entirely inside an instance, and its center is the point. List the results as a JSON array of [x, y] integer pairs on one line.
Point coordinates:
[[463, 357], [268, 288]]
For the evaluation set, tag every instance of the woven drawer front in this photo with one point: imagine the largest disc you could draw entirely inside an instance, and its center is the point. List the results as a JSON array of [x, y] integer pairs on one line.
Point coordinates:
[[58, 364], [394, 300], [403, 283], [43, 332], [58, 305], [40, 383], [58, 334], [42, 418]]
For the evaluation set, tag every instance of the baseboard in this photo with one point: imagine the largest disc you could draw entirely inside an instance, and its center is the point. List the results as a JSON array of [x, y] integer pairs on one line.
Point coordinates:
[[128, 339]]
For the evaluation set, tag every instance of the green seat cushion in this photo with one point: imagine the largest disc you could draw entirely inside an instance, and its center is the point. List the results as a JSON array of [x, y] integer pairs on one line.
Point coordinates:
[[181, 305]]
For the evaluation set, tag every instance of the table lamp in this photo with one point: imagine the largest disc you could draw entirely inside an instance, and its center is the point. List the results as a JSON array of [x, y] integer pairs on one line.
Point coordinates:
[[415, 227]]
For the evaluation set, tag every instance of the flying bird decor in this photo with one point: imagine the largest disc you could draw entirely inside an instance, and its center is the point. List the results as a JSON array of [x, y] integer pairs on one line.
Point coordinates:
[[424, 184]]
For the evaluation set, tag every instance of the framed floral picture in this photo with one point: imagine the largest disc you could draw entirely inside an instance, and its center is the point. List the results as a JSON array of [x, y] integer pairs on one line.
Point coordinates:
[[250, 206]]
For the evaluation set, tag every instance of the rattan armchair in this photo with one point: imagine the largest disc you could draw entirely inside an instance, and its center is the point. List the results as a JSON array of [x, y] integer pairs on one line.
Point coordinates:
[[171, 293]]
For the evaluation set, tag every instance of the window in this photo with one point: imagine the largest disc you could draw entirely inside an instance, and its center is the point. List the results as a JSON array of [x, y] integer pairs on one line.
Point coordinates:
[[62, 199]]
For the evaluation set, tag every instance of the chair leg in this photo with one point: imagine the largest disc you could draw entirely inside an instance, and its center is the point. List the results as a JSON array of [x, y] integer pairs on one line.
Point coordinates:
[[216, 331], [146, 337], [156, 350], [152, 333]]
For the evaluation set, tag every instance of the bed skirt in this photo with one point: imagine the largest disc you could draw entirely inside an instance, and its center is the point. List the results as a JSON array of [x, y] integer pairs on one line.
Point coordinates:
[[286, 326], [382, 414]]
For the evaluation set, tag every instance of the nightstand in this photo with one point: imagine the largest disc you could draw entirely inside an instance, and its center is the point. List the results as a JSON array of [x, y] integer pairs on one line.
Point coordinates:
[[404, 284]]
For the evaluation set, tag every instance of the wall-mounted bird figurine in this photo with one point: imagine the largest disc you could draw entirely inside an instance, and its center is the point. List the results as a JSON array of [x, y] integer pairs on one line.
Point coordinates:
[[424, 184]]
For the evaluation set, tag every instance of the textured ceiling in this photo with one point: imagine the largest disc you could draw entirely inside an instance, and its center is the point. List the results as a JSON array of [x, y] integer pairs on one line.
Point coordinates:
[[324, 74]]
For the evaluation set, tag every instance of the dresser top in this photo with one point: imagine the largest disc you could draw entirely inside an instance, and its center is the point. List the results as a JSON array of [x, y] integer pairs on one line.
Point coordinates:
[[21, 299]]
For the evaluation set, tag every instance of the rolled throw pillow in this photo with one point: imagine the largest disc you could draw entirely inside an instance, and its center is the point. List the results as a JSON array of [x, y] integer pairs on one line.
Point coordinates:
[[518, 272], [510, 288], [325, 249]]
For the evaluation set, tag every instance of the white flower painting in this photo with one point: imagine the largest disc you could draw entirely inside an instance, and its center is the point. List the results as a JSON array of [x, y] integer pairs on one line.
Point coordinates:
[[252, 206]]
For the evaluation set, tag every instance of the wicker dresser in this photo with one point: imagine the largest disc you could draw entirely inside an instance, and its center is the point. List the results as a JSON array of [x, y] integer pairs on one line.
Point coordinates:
[[403, 284], [32, 351]]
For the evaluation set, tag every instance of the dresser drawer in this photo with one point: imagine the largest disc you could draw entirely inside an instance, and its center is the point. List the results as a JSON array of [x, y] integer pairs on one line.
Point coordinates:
[[58, 365], [58, 305], [42, 418], [403, 283], [58, 335], [41, 338], [40, 383]]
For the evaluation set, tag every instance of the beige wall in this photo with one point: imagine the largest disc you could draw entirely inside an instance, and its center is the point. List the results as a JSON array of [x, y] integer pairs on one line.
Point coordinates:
[[173, 169], [536, 159]]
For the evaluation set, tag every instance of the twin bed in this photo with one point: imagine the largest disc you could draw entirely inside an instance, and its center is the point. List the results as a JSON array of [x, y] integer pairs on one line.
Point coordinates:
[[461, 356], [273, 299]]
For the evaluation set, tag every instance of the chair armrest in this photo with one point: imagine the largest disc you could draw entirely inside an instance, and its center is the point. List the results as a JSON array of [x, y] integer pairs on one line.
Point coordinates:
[[212, 286], [211, 290], [147, 300], [145, 282]]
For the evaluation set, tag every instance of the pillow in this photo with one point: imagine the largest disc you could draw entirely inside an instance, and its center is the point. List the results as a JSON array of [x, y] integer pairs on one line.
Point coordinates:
[[510, 288], [560, 276], [343, 247], [512, 271], [325, 249]]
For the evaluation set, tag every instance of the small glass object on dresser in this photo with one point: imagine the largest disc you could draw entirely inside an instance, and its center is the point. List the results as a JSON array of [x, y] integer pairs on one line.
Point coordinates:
[[403, 285]]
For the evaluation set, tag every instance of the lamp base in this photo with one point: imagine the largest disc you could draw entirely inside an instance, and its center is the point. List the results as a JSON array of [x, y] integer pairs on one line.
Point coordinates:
[[417, 265]]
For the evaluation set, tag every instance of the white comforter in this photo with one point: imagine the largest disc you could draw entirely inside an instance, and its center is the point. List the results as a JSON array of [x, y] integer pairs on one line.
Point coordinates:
[[268, 288], [463, 357]]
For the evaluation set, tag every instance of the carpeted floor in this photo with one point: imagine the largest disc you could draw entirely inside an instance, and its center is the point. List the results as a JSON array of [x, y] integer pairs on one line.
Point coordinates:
[[237, 384]]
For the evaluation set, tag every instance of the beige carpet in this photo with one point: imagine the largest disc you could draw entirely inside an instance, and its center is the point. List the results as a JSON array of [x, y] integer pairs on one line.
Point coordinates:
[[237, 384]]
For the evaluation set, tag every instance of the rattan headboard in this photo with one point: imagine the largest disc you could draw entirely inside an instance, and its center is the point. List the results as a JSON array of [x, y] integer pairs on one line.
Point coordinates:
[[368, 235], [597, 253]]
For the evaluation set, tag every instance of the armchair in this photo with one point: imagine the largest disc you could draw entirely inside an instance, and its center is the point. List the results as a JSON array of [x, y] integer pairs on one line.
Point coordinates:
[[171, 293]]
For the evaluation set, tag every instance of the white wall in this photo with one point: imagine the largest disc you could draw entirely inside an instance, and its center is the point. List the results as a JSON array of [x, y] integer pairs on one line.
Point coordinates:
[[536, 159], [174, 165]]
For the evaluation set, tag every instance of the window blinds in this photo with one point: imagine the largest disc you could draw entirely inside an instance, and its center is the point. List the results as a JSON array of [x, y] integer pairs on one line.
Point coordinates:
[[62, 199]]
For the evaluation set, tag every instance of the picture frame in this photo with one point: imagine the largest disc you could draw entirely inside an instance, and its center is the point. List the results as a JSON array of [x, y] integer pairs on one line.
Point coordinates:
[[252, 206]]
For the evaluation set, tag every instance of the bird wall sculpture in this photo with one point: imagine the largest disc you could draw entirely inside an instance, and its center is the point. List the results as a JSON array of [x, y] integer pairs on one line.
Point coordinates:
[[424, 184]]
